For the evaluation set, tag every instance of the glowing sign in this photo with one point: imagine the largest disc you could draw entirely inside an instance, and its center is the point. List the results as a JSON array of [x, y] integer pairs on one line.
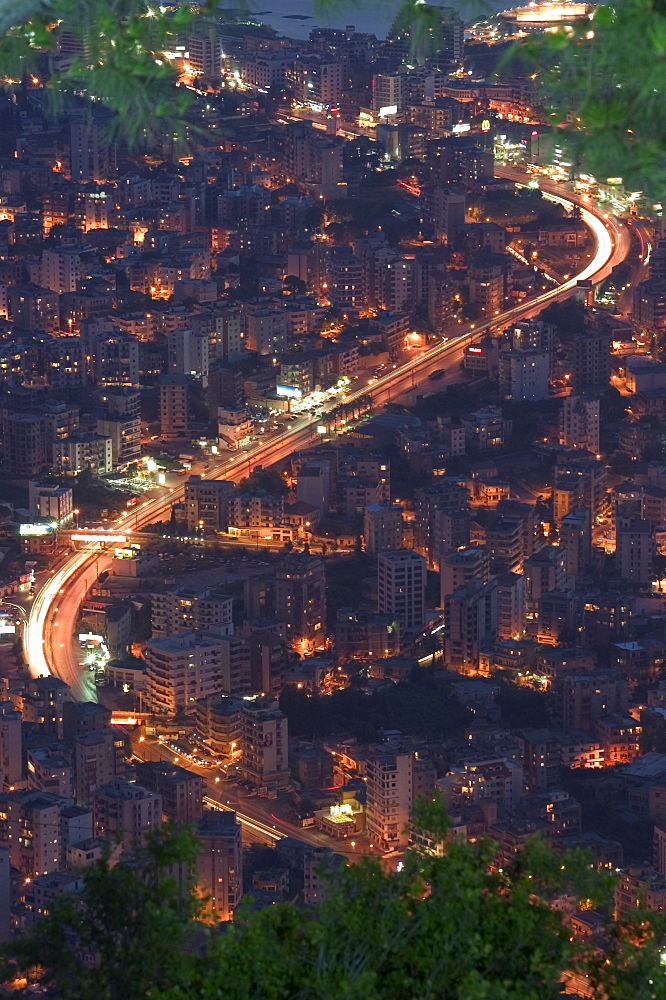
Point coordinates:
[[37, 529], [390, 109], [485, 125], [289, 392], [461, 127], [321, 429], [90, 537]]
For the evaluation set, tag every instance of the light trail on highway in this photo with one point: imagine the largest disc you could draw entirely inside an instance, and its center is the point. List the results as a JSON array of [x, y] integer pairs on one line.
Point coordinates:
[[57, 604], [260, 830]]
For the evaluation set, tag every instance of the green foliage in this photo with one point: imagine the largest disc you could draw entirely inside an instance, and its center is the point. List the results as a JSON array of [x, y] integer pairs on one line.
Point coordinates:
[[449, 925], [604, 82], [522, 706], [422, 706], [265, 479], [123, 66], [126, 933]]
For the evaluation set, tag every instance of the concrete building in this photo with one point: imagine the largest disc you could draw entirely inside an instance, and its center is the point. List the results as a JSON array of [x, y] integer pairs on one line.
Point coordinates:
[[126, 812], [190, 665], [11, 744], [444, 210], [266, 328], [576, 541], [470, 623], [313, 484], [544, 571], [43, 702], [300, 600], [51, 503], [30, 828], [206, 503], [639, 888], [25, 450], [492, 779], [62, 268], [190, 609], [124, 432], [83, 451], [5, 894], [401, 584], [95, 763], [510, 605], [188, 352], [205, 55], [255, 509], [461, 566], [112, 357], [523, 374], [389, 797], [579, 423], [489, 281], [173, 410], [91, 158], [591, 361], [382, 527], [181, 790], [635, 550], [218, 721], [40, 893], [388, 91], [220, 862], [264, 743], [51, 771]]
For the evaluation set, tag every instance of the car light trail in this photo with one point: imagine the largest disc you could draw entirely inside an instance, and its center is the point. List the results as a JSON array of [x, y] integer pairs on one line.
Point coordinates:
[[45, 657]]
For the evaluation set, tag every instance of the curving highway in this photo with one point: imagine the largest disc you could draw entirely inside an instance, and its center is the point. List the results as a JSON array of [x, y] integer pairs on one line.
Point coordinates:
[[48, 635]]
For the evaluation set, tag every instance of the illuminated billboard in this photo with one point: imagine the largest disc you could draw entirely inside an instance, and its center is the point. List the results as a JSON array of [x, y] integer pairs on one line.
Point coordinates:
[[98, 537], [37, 529], [289, 392], [390, 109]]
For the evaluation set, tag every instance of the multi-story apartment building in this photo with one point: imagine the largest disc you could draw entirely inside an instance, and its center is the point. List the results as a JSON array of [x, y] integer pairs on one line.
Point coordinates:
[[220, 862], [264, 743], [190, 665], [190, 609], [470, 623], [579, 425], [180, 790], [382, 527], [401, 586], [255, 509], [300, 599], [389, 799], [174, 422], [206, 503], [126, 812]]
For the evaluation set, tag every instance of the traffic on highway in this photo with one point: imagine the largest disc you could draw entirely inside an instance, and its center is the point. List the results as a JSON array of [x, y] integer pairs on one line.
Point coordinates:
[[49, 630]]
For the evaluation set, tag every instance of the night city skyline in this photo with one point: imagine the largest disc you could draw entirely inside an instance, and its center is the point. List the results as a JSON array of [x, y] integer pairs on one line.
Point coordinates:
[[332, 501]]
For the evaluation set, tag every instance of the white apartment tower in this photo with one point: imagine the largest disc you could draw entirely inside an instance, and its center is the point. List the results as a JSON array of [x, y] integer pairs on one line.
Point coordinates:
[[389, 799]]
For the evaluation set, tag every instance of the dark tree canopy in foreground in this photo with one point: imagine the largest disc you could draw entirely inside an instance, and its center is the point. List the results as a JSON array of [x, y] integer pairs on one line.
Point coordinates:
[[450, 926]]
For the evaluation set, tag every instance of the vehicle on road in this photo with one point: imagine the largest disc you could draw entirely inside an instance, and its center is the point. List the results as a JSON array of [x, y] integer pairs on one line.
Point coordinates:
[[437, 373]]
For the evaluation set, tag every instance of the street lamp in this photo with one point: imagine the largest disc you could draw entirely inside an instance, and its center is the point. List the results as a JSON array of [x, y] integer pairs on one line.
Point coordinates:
[[76, 513]]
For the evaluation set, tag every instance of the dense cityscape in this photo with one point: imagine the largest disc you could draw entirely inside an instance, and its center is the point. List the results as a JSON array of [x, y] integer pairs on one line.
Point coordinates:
[[333, 472]]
